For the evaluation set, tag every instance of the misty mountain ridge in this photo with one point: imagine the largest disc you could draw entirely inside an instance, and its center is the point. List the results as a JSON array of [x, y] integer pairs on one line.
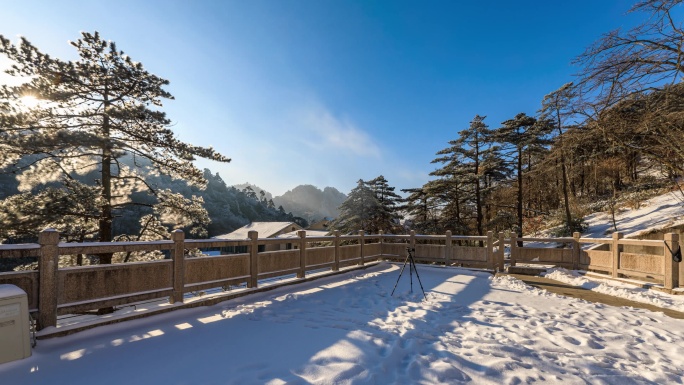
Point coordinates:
[[311, 203], [306, 201]]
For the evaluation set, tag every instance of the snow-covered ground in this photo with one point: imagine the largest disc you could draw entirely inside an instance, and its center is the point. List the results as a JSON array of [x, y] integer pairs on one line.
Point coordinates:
[[618, 289], [348, 329]]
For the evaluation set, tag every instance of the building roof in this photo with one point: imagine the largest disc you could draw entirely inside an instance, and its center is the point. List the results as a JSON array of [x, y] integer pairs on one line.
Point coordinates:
[[265, 230], [309, 233]]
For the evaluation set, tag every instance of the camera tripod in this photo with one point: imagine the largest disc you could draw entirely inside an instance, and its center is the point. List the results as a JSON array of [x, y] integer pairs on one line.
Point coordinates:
[[412, 266]]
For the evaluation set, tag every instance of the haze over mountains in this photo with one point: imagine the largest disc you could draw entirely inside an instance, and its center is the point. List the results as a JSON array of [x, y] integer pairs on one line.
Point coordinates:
[[311, 203], [306, 201]]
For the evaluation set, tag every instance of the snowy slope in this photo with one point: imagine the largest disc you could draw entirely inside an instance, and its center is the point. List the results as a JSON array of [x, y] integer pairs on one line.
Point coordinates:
[[654, 214]]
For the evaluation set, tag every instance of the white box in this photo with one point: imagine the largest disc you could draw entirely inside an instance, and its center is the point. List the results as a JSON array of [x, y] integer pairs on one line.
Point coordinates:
[[15, 343]]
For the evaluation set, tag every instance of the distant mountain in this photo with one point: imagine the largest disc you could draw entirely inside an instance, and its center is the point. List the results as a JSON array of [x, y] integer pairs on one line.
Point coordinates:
[[311, 203], [254, 187]]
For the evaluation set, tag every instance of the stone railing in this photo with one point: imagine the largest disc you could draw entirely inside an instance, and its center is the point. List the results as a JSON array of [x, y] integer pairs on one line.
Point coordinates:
[[646, 260], [54, 291]]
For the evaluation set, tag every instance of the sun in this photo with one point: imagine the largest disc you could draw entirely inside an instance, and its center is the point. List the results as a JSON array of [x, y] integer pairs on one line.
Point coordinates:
[[29, 102]]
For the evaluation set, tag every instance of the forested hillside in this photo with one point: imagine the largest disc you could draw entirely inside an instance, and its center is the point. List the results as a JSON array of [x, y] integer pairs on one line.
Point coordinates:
[[609, 138]]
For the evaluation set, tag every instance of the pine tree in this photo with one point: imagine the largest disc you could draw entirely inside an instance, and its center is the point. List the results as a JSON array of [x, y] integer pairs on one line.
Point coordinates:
[[463, 165], [356, 211], [385, 216], [557, 110], [419, 209], [518, 136], [91, 113]]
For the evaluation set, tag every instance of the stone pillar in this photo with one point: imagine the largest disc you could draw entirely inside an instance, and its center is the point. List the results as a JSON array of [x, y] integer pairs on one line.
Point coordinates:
[[615, 248], [362, 240], [576, 251], [48, 263], [381, 240], [500, 253], [178, 258], [336, 262], [671, 267], [514, 248], [253, 259], [447, 248], [491, 264], [302, 254]]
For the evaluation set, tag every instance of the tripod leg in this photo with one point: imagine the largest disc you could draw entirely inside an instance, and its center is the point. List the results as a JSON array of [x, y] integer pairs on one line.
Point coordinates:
[[418, 276], [402, 272], [411, 276]]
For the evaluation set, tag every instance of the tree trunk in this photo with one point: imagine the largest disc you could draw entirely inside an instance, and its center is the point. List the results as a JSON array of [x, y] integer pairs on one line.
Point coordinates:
[[520, 197], [568, 216], [106, 215]]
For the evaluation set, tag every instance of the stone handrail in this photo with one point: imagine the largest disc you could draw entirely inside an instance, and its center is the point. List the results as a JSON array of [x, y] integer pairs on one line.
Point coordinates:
[[56, 291]]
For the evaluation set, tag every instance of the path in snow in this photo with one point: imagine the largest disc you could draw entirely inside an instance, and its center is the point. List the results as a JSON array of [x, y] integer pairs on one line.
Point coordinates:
[[347, 329]]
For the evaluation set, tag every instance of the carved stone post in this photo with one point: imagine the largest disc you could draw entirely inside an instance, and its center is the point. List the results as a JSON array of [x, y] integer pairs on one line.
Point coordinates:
[[576, 251], [178, 258], [447, 248], [671, 267], [514, 247], [361, 243], [47, 270], [302, 254], [381, 240], [491, 264], [500, 253], [336, 263], [615, 249], [253, 259]]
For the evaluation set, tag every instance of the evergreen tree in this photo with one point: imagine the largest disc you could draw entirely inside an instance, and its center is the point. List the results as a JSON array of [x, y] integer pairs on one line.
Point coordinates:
[[463, 166], [419, 210], [91, 113], [371, 206], [557, 110], [356, 211], [385, 216], [518, 136]]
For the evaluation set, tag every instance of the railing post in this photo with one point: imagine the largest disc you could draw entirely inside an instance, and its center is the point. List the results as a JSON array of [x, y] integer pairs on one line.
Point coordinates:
[[576, 251], [615, 248], [500, 253], [514, 247], [178, 258], [671, 267], [361, 242], [47, 270], [447, 248], [491, 264], [336, 263], [253, 259], [381, 240], [302, 254]]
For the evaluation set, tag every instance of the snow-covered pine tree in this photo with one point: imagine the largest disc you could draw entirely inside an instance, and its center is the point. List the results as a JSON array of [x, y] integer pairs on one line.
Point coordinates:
[[90, 113]]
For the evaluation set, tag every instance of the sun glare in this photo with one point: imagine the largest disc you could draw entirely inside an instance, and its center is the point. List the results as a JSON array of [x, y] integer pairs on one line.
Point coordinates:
[[29, 101]]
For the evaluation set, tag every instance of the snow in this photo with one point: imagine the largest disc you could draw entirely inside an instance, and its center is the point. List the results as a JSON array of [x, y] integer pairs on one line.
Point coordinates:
[[347, 329], [660, 212], [617, 289]]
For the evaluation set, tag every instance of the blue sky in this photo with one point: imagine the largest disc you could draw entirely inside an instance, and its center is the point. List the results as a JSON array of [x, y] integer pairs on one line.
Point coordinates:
[[326, 92]]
